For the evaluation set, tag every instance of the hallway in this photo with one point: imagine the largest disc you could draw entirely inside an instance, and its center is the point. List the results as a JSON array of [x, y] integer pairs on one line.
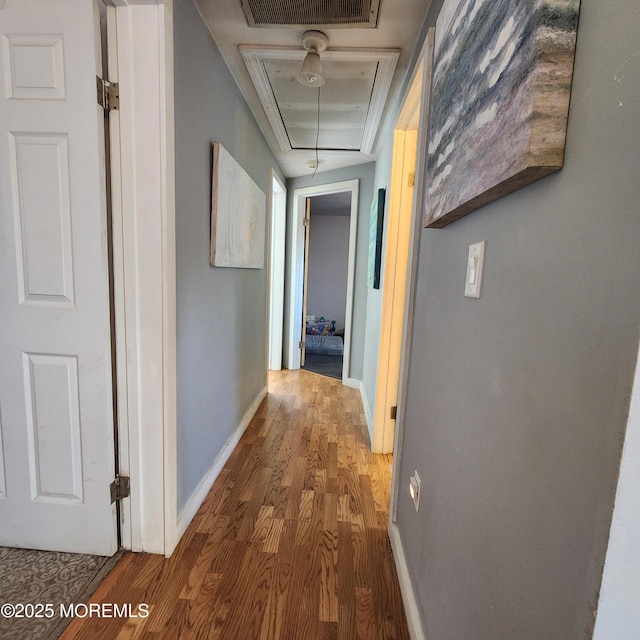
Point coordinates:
[[290, 544]]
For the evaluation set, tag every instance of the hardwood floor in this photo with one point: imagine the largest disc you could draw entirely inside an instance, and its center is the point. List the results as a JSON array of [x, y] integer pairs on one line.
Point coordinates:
[[290, 543]]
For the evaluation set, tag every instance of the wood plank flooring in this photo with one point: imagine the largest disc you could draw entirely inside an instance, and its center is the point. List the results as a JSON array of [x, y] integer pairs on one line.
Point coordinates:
[[290, 543]]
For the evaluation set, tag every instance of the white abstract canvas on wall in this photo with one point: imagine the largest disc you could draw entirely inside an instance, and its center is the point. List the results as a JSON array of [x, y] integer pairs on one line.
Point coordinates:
[[237, 215]]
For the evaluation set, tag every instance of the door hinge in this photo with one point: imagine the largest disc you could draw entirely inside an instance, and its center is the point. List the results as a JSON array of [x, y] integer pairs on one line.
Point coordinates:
[[307, 221], [120, 488], [301, 344], [412, 178], [393, 412], [108, 94]]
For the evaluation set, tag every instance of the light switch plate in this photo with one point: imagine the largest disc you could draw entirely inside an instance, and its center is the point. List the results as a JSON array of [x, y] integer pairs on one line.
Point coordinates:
[[475, 263]]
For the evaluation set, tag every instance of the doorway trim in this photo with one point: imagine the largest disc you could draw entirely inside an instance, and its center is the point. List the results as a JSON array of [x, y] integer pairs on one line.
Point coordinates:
[[423, 70], [296, 271], [396, 272], [617, 609], [422, 74], [276, 270], [143, 178]]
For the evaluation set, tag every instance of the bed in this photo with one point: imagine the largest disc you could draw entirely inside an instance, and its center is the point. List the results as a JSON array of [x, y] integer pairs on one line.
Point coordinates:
[[324, 345], [320, 338]]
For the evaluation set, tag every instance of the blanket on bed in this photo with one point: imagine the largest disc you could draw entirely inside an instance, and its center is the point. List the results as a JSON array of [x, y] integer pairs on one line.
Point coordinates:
[[324, 345]]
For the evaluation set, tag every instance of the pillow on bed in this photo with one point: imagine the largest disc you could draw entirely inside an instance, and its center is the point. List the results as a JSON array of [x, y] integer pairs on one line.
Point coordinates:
[[321, 328]]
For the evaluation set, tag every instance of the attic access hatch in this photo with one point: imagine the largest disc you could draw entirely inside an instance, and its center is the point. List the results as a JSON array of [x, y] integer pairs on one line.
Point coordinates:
[[352, 99], [321, 13]]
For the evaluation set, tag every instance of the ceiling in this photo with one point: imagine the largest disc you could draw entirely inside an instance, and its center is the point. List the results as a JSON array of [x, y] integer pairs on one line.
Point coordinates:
[[364, 67]]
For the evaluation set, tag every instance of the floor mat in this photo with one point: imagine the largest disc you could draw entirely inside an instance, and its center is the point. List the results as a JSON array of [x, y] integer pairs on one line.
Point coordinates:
[[54, 578], [325, 365]]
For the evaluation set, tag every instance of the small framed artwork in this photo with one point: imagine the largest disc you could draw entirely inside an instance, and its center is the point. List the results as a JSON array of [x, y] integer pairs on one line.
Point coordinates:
[[375, 239], [238, 215]]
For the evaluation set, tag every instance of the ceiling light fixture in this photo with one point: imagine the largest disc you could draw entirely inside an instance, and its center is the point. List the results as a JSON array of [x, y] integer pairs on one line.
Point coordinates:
[[315, 42]]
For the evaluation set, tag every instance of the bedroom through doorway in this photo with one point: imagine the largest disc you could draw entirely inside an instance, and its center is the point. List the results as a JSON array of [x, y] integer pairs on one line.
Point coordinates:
[[326, 278]]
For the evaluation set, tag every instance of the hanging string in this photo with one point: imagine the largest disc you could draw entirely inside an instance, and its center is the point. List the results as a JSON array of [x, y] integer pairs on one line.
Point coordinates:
[[317, 136]]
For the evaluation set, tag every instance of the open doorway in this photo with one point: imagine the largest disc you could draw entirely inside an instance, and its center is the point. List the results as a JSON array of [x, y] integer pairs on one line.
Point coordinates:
[[403, 238], [404, 210], [296, 315], [327, 261]]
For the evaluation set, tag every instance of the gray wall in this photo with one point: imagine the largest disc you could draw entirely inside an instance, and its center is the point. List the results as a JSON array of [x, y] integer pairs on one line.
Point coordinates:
[[517, 402], [220, 312], [363, 173], [328, 265], [382, 180]]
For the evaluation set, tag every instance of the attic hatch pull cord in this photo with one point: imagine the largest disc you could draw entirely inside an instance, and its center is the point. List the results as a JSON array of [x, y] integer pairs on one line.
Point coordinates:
[[317, 136]]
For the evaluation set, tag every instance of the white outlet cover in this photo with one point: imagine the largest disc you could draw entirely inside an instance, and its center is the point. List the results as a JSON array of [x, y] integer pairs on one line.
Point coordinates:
[[415, 489], [475, 264]]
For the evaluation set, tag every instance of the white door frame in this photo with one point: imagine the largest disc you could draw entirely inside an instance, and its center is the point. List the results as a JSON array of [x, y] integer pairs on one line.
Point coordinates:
[[143, 178], [618, 615], [424, 69], [305, 281], [296, 273], [396, 271], [276, 270]]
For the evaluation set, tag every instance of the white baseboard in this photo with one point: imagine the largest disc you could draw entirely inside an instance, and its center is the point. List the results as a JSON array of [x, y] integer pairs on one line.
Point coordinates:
[[367, 411], [414, 622], [197, 497], [354, 383], [351, 382]]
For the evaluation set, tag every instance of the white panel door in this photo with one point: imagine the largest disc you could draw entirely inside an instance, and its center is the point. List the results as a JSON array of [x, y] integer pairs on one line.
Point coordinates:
[[56, 417]]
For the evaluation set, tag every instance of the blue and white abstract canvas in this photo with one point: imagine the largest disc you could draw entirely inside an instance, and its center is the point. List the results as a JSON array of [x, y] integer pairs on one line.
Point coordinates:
[[499, 101]]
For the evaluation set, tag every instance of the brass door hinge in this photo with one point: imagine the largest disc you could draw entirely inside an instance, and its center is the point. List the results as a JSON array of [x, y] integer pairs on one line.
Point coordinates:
[[108, 95], [393, 412], [120, 488]]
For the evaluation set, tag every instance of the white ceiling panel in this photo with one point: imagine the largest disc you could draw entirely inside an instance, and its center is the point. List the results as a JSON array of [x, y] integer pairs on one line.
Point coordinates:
[[343, 103], [352, 99]]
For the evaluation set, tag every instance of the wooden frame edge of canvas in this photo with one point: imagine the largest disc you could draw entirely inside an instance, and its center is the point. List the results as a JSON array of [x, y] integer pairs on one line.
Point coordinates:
[[527, 176]]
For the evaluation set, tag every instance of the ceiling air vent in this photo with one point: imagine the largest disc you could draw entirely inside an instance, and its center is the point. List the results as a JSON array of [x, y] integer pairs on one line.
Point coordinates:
[[311, 13]]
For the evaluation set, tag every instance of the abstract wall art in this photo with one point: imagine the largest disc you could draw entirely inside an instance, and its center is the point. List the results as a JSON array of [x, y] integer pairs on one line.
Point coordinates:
[[376, 222], [237, 215], [500, 95]]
